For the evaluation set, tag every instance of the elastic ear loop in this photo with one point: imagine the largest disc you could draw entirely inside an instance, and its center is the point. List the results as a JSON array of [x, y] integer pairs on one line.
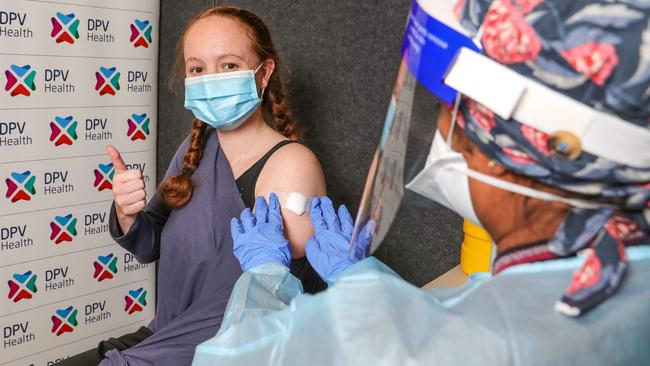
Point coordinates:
[[514, 187], [531, 192], [258, 67], [261, 96]]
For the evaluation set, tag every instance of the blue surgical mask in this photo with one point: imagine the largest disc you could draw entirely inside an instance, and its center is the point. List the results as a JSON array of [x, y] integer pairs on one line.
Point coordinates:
[[223, 101]]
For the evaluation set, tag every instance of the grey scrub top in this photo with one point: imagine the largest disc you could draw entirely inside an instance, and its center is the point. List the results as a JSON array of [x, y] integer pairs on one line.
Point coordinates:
[[197, 268]]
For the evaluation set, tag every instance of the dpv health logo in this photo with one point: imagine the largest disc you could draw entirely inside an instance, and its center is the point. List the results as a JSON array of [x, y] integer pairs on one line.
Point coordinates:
[[105, 267], [104, 177], [108, 80], [20, 186], [65, 28], [20, 80], [141, 33], [64, 131], [64, 228], [64, 320], [136, 300], [138, 127], [22, 286]]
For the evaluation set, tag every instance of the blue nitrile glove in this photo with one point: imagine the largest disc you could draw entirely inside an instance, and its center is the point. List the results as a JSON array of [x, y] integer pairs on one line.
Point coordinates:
[[329, 250], [260, 239]]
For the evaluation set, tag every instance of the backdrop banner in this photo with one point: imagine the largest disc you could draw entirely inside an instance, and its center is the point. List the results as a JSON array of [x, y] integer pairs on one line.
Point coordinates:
[[75, 77]]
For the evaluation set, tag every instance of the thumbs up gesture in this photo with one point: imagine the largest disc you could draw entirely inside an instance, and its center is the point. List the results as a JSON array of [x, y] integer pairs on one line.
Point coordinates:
[[128, 190]]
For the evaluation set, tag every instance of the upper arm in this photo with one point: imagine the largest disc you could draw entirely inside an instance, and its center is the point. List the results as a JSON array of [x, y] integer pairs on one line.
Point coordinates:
[[293, 168]]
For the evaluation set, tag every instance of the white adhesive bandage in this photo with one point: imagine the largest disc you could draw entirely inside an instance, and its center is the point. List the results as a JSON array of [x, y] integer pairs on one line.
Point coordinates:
[[296, 202]]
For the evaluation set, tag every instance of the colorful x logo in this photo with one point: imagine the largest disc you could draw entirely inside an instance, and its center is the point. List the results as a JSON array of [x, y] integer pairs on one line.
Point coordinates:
[[138, 127], [136, 300], [105, 267], [70, 33], [108, 80], [20, 80], [104, 177], [141, 33], [64, 228], [64, 320], [22, 286], [64, 130], [20, 186]]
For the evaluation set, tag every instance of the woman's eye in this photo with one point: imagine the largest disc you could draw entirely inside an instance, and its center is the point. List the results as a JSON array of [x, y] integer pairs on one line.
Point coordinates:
[[229, 67], [196, 70]]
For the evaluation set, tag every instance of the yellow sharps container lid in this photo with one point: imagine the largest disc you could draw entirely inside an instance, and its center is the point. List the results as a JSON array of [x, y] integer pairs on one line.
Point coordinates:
[[476, 250]]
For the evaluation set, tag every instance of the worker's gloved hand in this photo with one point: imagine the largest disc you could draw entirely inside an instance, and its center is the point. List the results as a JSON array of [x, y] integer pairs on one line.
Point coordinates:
[[260, 239], [329, 250]]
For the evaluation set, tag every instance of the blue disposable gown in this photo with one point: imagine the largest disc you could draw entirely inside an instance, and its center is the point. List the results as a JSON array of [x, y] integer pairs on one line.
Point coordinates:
[[369, 316]]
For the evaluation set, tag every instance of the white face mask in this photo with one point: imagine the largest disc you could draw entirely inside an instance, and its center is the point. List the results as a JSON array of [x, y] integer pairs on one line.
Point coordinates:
[[444, 181]]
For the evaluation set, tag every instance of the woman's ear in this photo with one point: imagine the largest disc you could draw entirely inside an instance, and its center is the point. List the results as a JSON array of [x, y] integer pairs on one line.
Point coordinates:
[[477, 159], [496, 169], [268, 68]]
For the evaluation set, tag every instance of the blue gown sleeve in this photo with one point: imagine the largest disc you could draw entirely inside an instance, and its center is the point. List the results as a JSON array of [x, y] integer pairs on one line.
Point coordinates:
[[260, 292], [143, 238], [252, 315]]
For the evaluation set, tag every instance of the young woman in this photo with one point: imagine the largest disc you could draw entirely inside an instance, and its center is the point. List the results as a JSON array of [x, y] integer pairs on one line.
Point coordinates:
[[241, 145]]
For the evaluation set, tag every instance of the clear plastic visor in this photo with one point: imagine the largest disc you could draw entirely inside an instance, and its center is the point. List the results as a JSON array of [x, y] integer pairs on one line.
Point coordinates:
[[408, 131]]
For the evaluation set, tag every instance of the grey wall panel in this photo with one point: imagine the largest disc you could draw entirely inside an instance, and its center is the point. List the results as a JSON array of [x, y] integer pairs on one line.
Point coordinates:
[[174, 121], [341, 59]]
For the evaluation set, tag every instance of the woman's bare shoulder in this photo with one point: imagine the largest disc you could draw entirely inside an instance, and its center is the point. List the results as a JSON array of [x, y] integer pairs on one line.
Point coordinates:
[[293, 168]]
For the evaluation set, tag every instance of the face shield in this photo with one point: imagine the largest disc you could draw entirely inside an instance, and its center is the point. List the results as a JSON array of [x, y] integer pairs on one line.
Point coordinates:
[[440, 63]]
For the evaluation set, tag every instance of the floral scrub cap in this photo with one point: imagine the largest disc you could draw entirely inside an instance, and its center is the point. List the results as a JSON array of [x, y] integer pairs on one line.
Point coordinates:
[[598, 53]]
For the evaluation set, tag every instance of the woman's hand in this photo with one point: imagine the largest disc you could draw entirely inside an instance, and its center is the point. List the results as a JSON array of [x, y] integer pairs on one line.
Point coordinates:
[[329, 251], [128, 190], [260, 239]]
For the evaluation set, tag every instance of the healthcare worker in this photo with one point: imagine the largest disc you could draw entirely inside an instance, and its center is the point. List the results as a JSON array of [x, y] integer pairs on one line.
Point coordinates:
[[231, 73], [543, 139]]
